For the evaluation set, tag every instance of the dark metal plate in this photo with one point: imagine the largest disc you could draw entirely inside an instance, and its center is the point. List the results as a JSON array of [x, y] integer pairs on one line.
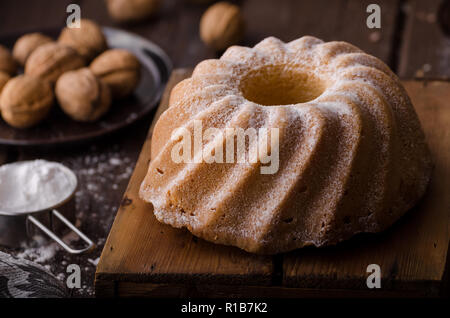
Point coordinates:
[[59, 128]]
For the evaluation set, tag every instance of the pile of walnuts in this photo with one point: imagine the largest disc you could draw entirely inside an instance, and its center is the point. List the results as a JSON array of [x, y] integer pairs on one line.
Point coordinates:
[[78, 70]]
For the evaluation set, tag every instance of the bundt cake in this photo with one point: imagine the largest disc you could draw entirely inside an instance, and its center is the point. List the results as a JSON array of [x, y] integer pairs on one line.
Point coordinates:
[[352, 154]]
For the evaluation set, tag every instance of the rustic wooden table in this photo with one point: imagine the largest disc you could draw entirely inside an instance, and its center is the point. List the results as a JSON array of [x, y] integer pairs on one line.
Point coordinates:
[[412, 41]]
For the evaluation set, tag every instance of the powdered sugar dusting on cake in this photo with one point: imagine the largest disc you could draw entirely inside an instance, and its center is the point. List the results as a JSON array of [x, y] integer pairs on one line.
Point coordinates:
[[353, 158]]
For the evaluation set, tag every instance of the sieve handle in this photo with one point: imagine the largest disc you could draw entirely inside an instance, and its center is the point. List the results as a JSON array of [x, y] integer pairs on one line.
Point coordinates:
[[59, 240]]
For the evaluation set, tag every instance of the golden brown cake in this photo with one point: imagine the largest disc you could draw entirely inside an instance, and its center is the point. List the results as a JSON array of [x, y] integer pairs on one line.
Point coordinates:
[[352, 153]]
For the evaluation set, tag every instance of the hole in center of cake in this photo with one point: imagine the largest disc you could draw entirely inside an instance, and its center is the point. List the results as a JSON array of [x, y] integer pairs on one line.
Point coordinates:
[[277, 85]]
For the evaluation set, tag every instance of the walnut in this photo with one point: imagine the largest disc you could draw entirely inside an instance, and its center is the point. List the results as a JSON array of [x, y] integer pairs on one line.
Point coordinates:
[[7, 63], [132, 10], [222, 25], [4, 78], [88, 40], [82, 95], [51, 60], [25, 101], [119, 69], [26, 44]]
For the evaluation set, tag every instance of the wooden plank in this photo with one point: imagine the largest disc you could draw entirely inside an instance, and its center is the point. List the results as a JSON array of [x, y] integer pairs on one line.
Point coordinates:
[[30, 15], [176, 27], [140, 249], [425, 51], [412, 254], [328, 20], [96, 10], [132, 289]]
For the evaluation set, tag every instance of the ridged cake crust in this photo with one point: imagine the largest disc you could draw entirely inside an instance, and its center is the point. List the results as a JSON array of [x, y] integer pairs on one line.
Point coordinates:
[[353, 157]]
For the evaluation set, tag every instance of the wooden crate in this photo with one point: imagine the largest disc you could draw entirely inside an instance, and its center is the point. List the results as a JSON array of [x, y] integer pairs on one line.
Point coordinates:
[[143, 257]]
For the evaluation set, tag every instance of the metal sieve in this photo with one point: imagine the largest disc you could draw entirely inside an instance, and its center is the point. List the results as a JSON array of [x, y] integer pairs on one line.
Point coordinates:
[[17, 228]]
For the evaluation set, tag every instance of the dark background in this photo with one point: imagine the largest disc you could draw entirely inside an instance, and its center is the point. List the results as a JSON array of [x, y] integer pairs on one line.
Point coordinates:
[[412, 41]]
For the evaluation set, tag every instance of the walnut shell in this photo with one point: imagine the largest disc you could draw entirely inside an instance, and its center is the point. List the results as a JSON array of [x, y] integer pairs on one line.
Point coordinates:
[[26, 44], [222, 25], [88, 40], [119, 69], [25, 101], [4, 78], [82, 95], [132, 10], [7, 63], [51, 60]]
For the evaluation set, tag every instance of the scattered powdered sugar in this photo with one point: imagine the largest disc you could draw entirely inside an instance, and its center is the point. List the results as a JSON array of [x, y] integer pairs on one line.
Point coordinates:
[[115, 161], [98, 174], [39, 253], [40, 250], [61, 276]]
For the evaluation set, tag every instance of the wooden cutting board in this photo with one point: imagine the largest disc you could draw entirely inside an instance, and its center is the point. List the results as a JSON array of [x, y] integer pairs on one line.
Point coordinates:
[[145, 258]]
